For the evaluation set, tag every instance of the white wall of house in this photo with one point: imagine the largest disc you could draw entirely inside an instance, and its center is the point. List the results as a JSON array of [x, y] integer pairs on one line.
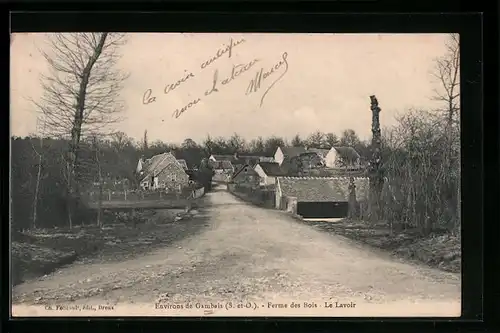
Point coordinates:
[[139, 166], [264, 178], [277, 194], [279, 156], [331, 158], [212, 158]]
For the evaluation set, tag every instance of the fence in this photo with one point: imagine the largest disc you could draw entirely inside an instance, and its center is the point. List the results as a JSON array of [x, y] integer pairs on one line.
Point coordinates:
[[137, 195], [263, 197]]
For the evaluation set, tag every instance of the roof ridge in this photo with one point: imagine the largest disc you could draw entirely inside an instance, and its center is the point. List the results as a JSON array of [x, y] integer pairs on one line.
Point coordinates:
[[319, 177]]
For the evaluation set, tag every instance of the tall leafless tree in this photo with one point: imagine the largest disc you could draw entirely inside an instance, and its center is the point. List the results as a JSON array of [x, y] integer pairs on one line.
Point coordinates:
[[39, 153], [447, 73], [81, 93]]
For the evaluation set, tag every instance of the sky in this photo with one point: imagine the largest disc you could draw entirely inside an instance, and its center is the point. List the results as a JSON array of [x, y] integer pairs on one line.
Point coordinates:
[[310, 82]]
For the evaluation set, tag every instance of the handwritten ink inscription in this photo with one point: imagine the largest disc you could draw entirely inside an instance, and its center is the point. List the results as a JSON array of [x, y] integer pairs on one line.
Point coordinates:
[[147, 98], [169, 87], [225, 49], [177, 113], [262, 75], [237, 70]]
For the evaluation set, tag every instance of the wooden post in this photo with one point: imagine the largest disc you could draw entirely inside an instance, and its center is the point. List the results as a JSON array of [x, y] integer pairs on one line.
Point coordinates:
[[109, 195], [352, 213], [125, 194]]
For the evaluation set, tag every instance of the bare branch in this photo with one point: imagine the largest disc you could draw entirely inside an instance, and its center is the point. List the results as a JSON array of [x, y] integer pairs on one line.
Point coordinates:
[[73, 58]]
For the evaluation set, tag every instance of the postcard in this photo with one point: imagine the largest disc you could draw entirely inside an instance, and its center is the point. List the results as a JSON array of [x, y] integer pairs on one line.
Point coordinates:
[[235, 174]]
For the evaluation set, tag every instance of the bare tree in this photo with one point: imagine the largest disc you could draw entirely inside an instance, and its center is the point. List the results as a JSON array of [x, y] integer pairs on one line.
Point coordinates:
[[208, 144], [331, 140], [97, 160], [316, 140], [296, 141], [189, 144], [119, 140], [236, 143], [349, 138], [447, 73], [80, 93], [41, 131]]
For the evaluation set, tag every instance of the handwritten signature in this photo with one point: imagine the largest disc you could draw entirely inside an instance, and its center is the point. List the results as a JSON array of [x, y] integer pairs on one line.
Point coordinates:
[[262, 75]]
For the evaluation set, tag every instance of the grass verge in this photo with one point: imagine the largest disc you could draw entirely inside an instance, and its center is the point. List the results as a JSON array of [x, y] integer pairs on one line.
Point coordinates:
[[39, 252], [441, 251]]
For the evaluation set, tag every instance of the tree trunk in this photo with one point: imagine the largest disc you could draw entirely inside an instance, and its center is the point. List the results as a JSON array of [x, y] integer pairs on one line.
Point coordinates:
[[99, 202], [376, 177], [37, 187], [76, 131]]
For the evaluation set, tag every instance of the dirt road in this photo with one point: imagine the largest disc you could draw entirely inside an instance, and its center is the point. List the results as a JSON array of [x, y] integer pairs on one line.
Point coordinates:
[[250, 261]]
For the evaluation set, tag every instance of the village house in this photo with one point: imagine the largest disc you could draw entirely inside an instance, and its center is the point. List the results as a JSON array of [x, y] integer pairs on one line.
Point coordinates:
[[342, 157], [223, 170], [268, 171], [283, 153], [219, 158], [246, 176], [318, 197], [239, 160], [183, 163], [162, 171], [321, 152]]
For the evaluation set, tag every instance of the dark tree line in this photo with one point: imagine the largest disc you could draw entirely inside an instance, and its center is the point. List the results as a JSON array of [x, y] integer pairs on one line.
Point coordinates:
[[420, 190], [39, 167]]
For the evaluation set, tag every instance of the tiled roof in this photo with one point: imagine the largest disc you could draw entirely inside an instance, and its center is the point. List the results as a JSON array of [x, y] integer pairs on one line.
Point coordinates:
[[225, 165], [252, 160], [183, 163], [241, 159], [272, 169], [292, 151], [266, 159], [223, 157], [157, 163], [321, 152], [348, 153], [250, 170], [322, 189]]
